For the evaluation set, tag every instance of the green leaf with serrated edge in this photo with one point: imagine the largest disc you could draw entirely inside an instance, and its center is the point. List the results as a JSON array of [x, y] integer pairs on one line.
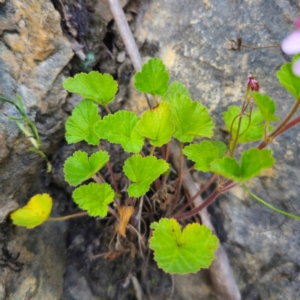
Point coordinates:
[[94, 198], [120, 128], [95, 86], [183, 252], [289, 80], [266, 106], [157, 124], [221, 148], [143, 171], [80, 125], [153, 78], [227, 167], [255, 130], [79, 167], [204, 153], [176, 88], [191, 118], [253, 161]]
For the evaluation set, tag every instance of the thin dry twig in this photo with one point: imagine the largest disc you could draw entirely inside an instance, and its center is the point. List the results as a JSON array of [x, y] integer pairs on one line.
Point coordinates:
[[238, 43]]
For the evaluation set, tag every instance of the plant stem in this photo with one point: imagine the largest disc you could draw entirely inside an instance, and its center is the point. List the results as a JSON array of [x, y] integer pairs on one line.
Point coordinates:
[[281, 127], [187, 171], [154, 100], [177, 194], [167, 152], [152, 150], [113, 212], [263, 202], [195, 210], [184, 174], [202, 190], [240, 115], [107, 109], [288, 126], [285, 120], [81, 214], [97, 179], [111, 173], [236, 137], [163, 152], [266, 130]]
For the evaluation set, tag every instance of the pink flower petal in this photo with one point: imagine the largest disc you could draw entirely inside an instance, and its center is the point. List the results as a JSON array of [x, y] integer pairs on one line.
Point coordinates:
[[297, 23], [291, 44], [296, 67]]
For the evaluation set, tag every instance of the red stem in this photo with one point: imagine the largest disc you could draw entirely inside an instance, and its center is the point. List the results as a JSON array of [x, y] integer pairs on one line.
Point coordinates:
[[288, 126], [111, 173], [202, 190], [205, 203]]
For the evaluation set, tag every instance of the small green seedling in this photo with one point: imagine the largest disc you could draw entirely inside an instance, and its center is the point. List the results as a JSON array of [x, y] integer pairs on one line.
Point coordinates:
[[174, 116], [28, 128]]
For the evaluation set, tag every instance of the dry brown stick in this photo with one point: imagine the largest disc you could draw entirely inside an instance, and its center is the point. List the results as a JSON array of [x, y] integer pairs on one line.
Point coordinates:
[[127, 38], [220, 271]]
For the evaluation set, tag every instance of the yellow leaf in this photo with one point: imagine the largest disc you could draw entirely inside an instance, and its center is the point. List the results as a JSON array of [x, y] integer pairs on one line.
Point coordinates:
[[34, 213], [125, 213]]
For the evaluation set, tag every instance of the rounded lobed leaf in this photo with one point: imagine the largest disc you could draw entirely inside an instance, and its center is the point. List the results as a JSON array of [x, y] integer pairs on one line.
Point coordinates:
[[183, 252], [191, 118], [153, 78], [266, 106], [79, 167], [157, 124], [95, 86], [253, 161], [80, 125], [176, 88], [94, 198], [222, 148], [204, 153], [143, 171], [120, 128], [227, 167], [34, 213], [289, 80]]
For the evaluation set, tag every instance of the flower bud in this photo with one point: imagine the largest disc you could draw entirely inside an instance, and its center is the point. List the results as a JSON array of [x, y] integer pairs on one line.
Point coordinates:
[[252, 83]]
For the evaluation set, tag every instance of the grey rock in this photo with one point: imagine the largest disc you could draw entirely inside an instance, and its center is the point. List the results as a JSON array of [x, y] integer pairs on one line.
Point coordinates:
[[33, 58], [263, 247]]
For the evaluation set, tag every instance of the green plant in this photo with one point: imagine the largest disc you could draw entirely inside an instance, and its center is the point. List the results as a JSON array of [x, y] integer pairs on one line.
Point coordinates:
[[174, 115], [28, 128]]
